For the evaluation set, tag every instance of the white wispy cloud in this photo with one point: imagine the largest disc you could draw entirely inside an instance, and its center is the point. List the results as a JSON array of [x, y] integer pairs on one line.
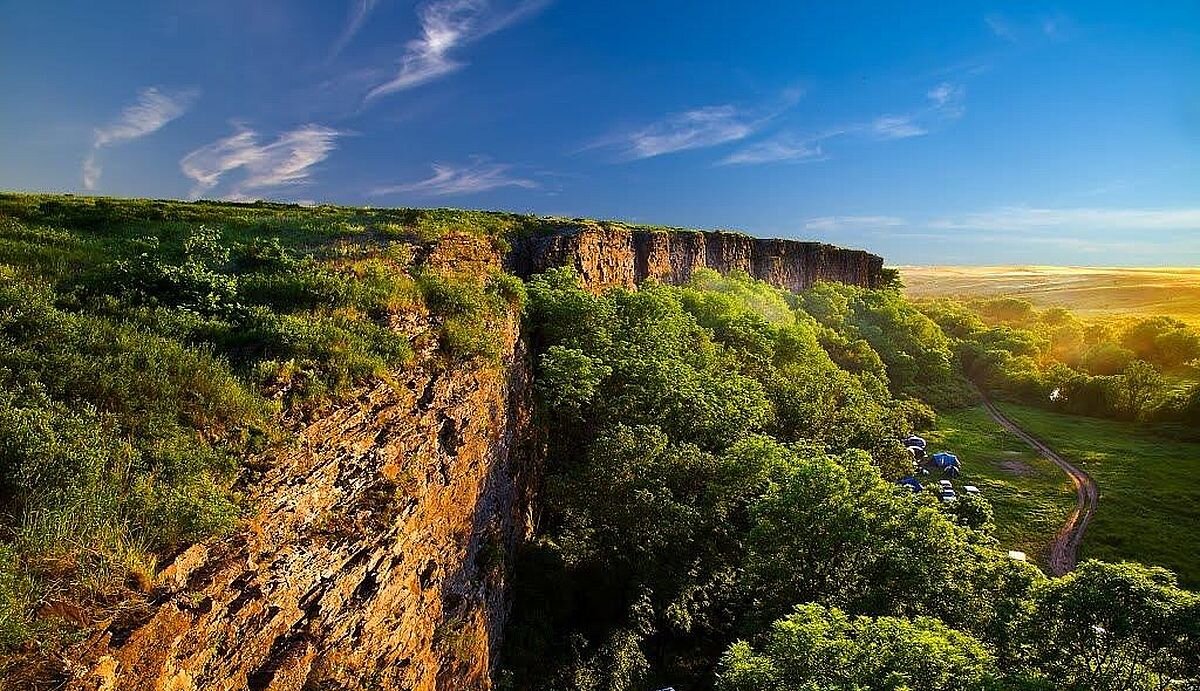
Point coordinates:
[[447, 25], [359, 11], [287, 160], [896, 127], [945, 101], [153, 109], [1001, 27], [700, 128], [693, 129], [947, 97], [780, 148], [840, 223], [479, 175], [1023, 218]]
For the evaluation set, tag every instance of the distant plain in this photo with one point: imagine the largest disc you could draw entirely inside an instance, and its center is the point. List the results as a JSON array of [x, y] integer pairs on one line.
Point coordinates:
[[1092, 291]]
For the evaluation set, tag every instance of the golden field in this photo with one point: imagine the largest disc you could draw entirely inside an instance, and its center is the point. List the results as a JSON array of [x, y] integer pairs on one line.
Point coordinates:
[[1167, 291]]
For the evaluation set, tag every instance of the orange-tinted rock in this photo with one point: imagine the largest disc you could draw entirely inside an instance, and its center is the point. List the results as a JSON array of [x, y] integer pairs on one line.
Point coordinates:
[[607, 255], [377, 558]]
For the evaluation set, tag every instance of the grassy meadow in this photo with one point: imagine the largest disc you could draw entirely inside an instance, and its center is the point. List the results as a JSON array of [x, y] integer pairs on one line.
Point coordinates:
[[1031, 497], [1089, 291], [1149, 508]]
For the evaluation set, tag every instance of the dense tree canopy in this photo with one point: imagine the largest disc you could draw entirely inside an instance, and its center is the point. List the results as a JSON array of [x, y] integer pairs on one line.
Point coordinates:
[[718, 491]]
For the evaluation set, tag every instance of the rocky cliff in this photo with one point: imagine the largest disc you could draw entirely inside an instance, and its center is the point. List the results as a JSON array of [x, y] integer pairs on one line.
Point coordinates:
[[378, 553], [607, 254]]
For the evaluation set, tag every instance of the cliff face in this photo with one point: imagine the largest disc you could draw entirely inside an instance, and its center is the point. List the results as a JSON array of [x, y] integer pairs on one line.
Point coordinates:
[[378, 553], [607, 255]]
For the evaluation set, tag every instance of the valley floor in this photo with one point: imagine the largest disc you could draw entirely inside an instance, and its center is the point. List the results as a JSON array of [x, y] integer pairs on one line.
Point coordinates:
[[1030, 495], [1149, 508]]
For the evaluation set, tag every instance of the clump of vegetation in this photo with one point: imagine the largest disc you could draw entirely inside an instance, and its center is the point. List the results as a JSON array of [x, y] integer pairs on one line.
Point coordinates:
[[472, 309], [829, 650]]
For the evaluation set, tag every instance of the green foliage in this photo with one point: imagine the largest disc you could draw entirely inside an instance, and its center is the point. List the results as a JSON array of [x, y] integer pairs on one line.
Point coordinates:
[[822, 649], [1053, 359], [718, 455], [569, 379], [974, 512], [1166, 342], [473, 309], [1113, 626], [111, 436], [914, 350], [690, 481], [16, 599], [833, 531]]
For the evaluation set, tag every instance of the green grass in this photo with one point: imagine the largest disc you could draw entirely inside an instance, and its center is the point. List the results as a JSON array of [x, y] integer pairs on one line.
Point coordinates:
[[1149, 508], [1030, 495]]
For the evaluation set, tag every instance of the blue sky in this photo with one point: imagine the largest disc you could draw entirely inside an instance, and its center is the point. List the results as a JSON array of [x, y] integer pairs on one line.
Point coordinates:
[[931, 133]]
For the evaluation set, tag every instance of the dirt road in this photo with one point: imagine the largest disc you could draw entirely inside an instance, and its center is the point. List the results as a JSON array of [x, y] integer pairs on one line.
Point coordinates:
[[1064, 551]]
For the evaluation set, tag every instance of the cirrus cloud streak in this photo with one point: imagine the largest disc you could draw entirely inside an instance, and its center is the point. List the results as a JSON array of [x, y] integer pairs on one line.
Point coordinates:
[[287, 160], [479, 175], [153, 109], [447, 25]]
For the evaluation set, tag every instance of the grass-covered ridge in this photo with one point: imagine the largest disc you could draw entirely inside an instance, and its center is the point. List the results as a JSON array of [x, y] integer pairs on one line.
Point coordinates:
[[148, 347]]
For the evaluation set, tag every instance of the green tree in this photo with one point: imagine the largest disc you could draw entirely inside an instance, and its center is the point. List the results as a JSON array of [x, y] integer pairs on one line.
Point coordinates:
[[1140, 386], [1113, 627], [822, 649]]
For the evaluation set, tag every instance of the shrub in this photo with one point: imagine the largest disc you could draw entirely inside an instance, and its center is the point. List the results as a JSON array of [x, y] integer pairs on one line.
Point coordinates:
[[472, 309]]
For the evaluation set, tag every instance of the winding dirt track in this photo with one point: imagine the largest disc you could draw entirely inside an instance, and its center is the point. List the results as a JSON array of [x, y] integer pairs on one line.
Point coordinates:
[[1064, 551]]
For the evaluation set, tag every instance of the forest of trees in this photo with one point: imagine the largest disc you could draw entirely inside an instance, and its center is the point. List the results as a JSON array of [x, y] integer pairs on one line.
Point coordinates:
[[719, 510], [1144, 369]]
